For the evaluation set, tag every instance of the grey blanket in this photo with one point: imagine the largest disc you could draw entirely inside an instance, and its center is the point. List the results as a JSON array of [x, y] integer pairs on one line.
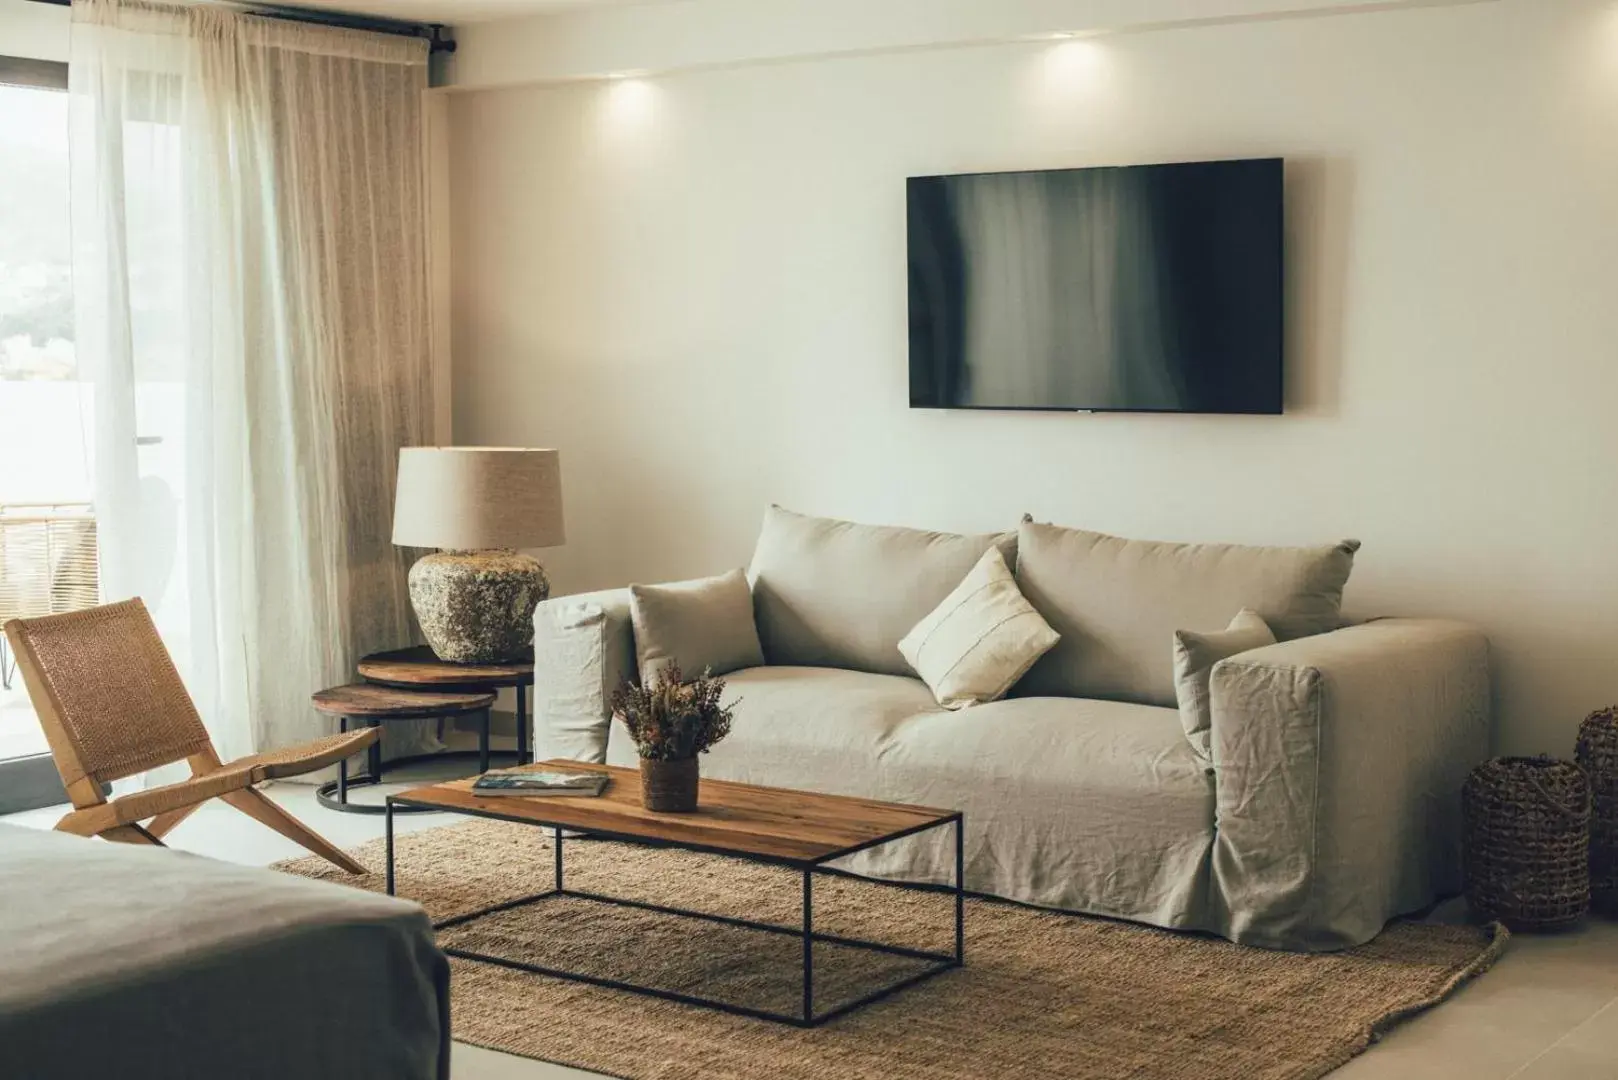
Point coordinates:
[[136, 962]]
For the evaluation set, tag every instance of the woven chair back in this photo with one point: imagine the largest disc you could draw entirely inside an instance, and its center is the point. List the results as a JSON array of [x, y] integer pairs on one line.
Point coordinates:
[[107, 692]]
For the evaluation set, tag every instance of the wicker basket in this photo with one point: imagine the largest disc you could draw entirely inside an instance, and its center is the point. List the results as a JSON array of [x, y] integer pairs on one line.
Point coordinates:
[[1598, 757], [1527, 845], [669, 786]]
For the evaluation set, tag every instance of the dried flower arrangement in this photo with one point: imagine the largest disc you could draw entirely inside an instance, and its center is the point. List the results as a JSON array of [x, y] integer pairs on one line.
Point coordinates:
[[670, 719]]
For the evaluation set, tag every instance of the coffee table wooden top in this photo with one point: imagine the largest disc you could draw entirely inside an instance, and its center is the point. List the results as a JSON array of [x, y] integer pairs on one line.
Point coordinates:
[[797, 827], [419, 666]]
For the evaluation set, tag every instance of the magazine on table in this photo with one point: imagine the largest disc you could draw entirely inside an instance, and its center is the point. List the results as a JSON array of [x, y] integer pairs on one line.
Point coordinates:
[[499, 782]]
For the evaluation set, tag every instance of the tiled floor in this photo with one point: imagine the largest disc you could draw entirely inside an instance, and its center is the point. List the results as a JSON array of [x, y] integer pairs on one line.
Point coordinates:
[[1549, 1010]]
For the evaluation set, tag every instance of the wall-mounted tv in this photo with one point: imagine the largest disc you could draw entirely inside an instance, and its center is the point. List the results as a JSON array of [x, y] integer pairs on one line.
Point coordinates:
[[1147, 288]]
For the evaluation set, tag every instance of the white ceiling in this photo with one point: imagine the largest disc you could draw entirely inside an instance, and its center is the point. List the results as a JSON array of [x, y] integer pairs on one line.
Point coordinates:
[[461, 11]]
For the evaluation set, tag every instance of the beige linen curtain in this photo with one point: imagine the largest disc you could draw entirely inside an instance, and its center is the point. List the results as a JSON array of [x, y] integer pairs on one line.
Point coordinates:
[[250, 268]]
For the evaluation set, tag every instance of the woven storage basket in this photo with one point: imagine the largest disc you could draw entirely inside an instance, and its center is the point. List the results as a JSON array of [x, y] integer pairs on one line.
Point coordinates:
[[1598, 757], [1527, 843]]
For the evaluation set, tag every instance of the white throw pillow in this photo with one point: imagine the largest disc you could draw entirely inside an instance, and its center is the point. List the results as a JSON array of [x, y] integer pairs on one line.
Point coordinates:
[[980, 640], [1194, 658]]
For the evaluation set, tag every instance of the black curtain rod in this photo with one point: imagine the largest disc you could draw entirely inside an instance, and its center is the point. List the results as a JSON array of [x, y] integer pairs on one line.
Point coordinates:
[[433, 32]]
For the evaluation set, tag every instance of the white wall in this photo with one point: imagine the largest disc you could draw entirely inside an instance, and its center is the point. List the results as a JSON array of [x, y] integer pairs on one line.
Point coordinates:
[[695, 287], [584, 40]]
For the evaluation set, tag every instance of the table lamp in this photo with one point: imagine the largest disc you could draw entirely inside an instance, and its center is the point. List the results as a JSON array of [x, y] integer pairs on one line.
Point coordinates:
[[475, 597]]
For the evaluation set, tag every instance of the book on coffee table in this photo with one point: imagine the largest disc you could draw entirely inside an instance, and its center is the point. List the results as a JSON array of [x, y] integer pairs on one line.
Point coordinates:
[[500, 782]]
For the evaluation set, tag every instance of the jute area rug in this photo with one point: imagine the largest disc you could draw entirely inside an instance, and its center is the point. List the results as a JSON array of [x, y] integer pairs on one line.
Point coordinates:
[[1043, 995]]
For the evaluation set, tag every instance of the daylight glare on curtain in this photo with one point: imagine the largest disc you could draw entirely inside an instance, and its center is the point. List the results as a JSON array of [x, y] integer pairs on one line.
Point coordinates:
[[250, 271]]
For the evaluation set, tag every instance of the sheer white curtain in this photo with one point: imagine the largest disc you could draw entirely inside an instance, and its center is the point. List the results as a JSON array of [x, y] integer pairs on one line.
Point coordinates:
[[250, 276]]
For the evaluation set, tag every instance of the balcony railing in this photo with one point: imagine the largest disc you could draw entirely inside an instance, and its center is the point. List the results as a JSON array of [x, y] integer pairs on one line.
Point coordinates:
[[48, 564]]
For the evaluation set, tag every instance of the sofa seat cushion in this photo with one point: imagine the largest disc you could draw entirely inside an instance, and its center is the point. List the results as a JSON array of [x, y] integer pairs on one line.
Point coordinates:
[[823, 729], [1116, 603], [1093, 806], [832, 593]]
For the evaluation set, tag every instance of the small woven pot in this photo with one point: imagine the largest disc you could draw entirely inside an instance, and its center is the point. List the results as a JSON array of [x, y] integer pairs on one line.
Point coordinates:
[[669, 787], [1527, 842], [1598, 756]]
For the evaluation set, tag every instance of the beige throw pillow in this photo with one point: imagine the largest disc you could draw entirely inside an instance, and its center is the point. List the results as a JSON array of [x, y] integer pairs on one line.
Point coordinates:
[[980, 640], [701, 624], [1194, 658]]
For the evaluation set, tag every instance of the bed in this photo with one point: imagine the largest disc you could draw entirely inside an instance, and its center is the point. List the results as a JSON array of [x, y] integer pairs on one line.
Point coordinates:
[[144, 962]]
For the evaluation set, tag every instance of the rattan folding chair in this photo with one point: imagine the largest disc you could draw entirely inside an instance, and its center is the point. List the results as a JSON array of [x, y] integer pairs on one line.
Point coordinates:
[[112, 705]]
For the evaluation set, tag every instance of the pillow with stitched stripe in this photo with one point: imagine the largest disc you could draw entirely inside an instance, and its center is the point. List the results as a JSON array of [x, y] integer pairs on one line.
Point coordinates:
[[976, 644]]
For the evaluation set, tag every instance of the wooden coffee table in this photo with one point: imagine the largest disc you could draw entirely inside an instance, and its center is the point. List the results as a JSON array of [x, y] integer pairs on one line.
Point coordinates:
[[796, 829]]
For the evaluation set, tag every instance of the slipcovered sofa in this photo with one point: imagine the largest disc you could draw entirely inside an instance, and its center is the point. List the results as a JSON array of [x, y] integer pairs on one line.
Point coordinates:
[[1329, 801]]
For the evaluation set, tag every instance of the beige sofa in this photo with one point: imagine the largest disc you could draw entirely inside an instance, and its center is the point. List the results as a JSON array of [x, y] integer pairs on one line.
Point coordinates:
[[1330, 802]]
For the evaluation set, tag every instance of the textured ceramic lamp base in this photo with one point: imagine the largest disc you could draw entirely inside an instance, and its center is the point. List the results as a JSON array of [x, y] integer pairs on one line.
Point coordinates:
[[477, 607]]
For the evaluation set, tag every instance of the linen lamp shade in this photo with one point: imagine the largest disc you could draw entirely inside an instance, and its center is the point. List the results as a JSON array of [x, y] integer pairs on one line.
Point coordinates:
[[473, 498]]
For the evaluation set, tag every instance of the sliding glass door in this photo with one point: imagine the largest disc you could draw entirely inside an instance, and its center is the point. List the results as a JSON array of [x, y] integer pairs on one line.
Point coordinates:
[[48, 549]]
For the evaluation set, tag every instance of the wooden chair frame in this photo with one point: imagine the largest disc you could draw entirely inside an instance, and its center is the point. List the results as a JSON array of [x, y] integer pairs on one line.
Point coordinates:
[[93, 746]]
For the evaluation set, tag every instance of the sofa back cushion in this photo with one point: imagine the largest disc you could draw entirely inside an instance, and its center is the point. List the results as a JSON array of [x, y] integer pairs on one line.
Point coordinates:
[[830, 593], [1116, 603]]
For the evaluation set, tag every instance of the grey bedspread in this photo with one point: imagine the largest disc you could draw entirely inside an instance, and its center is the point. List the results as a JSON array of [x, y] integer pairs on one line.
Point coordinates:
[[135, 962]]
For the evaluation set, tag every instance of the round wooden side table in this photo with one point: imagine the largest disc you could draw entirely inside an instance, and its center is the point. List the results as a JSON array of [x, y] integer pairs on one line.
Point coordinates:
[[417, 668], [372, 706]]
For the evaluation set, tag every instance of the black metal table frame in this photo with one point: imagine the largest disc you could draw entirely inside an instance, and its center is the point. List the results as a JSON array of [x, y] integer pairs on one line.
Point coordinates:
[[525, 749], [806, 1018], [333, 794]]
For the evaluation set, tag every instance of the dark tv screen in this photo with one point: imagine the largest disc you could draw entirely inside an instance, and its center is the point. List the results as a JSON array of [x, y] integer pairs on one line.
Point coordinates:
[[1149, 288]]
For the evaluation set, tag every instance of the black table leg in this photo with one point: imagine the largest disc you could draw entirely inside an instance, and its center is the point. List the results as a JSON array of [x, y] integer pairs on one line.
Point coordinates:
[[483, 741], [808, 947], [558, 860], [342, 765], [960, 890], [373, 754], [524, 752], [390, 843]]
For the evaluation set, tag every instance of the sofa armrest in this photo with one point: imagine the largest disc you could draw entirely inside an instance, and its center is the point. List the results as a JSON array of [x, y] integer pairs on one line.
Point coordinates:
[[1339, 761], [584, 649]]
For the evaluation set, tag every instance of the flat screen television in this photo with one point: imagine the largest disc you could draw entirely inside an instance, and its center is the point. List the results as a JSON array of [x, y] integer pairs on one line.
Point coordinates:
[[1148, 288]]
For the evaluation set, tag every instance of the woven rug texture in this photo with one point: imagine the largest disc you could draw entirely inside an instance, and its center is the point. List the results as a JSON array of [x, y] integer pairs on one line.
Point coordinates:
[[1043, 994]]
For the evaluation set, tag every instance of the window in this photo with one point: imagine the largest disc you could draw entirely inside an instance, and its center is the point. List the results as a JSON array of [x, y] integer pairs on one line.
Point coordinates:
[[44, 473], [36, 288]]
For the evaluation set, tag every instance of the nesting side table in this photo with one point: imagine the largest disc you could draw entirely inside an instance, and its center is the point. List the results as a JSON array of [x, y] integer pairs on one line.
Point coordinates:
[[417, 668], [414, 684], [370, 705]]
